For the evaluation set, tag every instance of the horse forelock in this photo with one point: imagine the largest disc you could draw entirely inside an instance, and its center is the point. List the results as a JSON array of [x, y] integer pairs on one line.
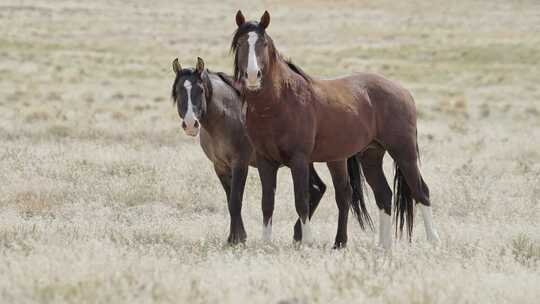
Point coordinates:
[[182, 73], [250, 26], [253, 26], [191, 72]]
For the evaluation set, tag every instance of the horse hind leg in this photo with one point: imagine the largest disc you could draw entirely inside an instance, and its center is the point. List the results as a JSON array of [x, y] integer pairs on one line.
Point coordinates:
[[343, 192], [372, 164], [300, 172], [268, 174], [316, 192], [409, 186]]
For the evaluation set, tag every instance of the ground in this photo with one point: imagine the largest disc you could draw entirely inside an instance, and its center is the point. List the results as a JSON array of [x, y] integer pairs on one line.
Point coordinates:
[[105, 200]]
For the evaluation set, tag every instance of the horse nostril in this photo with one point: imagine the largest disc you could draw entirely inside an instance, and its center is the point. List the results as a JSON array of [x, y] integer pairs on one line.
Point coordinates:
[[259, 74], [196, 124], [184, 126]]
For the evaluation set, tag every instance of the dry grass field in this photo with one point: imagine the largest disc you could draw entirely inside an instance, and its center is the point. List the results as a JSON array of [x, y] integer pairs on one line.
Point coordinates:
[[103, 199]]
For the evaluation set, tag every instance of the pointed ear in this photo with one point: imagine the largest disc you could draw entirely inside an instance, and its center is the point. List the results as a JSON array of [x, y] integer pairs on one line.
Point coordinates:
[[200, 66], [240, 18], [265, 20], [176, 66]]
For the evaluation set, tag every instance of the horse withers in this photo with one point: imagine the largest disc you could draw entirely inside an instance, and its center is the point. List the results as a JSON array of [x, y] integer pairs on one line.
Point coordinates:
[[294, 119], [210, 106]]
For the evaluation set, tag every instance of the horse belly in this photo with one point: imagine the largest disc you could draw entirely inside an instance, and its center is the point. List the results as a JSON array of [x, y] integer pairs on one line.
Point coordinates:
[[340, 139]]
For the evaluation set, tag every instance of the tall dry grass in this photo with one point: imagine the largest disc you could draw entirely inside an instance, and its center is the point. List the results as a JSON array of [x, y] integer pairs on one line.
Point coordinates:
[[104, 200]]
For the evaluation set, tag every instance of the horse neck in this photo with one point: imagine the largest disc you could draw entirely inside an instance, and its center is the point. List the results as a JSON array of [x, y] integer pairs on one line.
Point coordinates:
[[279, 83], [219, 108]]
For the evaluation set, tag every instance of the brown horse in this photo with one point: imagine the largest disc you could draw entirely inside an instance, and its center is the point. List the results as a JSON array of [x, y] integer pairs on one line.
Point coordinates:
[[293, 119], [209, 105]]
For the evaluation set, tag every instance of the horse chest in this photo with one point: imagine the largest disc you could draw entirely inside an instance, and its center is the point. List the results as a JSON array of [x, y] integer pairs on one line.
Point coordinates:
[[223, 148], [263, 142], [277, 138]]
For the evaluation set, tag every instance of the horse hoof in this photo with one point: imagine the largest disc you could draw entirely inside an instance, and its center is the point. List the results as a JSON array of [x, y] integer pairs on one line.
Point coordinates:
[[235, 239], [306, 235], [339, 245], [307, 239], [235, 242], [297, 234], [267, 235], [434, 239], [385, 245]]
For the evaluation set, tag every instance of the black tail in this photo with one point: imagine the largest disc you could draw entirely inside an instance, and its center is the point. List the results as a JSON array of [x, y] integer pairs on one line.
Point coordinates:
[[358, 203], [404, 204]]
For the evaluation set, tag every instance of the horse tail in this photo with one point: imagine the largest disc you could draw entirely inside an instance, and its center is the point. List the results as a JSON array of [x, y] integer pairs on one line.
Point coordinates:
[[404, 204], [358, 203]]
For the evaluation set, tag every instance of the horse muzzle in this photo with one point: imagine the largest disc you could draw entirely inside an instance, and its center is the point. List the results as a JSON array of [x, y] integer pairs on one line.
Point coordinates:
[[253, 80], [191, 128]]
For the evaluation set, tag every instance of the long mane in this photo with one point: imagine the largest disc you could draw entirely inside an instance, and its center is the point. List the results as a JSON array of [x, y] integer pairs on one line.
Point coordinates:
[[298, 70], [229, 80]]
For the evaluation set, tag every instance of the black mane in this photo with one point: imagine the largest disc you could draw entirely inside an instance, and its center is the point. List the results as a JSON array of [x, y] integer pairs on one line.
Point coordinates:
[[229, 80], [298, 70]]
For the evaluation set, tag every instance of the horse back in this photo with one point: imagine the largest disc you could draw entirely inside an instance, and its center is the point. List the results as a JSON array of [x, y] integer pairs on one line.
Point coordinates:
[[392, 106]]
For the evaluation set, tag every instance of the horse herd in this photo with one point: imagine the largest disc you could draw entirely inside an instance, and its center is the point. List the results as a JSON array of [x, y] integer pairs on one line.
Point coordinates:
[[272, 114]]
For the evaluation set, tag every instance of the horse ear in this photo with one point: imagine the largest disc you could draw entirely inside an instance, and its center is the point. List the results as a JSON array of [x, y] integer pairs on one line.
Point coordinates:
[[265, 20], [200, 66], [240, 18], [176, 66]]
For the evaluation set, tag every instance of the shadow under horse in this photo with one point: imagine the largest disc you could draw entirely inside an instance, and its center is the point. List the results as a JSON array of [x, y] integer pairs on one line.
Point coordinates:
[[294, 119], [208, 104]]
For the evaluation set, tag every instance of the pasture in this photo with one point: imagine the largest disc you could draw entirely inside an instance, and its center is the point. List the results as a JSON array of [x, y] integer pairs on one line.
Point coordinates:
[[103, 199]]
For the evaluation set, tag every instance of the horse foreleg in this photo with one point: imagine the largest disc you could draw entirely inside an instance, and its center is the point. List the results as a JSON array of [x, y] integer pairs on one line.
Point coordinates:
[[300, 175], [267, 173], [372, 163], [239, 174], [225, 178], [316, 192]]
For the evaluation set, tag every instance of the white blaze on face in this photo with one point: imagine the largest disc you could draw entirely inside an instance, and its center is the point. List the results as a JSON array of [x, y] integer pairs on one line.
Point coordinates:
[[307, 237], [385, 230], [253, 66], [431, 233], [190, 118]]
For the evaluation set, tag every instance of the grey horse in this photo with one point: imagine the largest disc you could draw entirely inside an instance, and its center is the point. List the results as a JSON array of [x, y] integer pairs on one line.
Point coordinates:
[[210, 106]]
